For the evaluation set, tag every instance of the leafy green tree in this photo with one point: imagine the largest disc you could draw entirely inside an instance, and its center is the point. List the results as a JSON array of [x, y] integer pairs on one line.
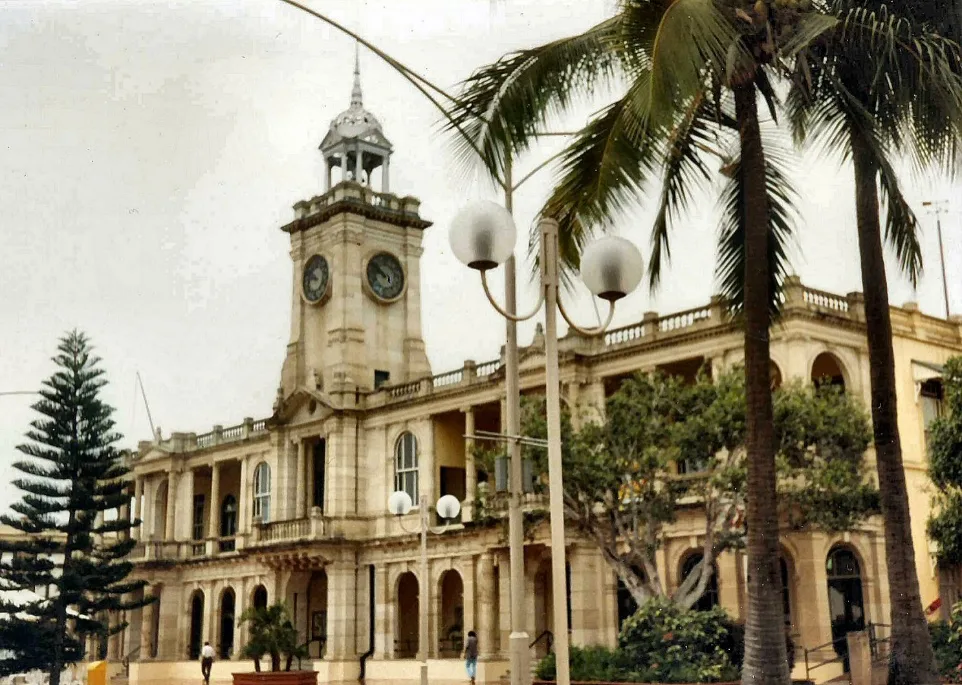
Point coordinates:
[[271, 632], [945, 469], [839, 104], [666, 446], [72, 476]]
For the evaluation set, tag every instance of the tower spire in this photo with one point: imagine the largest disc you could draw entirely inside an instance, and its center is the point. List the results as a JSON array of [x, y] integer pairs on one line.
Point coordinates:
[[356, 91]]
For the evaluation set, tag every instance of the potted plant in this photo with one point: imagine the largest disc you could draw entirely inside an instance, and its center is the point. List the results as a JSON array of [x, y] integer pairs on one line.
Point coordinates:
[[271, 632]]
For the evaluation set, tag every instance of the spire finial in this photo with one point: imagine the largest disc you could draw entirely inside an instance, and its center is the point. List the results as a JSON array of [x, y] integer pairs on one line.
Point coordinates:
[[356, 91]]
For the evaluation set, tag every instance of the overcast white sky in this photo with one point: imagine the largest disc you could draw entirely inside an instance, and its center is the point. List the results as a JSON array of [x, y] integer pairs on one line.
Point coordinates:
[[150, 151]]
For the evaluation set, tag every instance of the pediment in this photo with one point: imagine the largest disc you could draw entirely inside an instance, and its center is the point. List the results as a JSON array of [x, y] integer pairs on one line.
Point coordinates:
[[531, 359], [302, 405]]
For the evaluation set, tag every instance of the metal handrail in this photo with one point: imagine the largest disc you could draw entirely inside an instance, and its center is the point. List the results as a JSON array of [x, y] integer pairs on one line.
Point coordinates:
[[323, 642], [126, 660], [548, 638], [809, 650]]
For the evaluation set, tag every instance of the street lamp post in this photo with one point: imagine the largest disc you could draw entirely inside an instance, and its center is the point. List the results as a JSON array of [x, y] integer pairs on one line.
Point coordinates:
[[448, 508], [483, 237], [937, 207]]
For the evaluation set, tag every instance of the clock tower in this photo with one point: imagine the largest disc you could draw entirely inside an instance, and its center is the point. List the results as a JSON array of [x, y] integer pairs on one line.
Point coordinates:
[[356, 298]]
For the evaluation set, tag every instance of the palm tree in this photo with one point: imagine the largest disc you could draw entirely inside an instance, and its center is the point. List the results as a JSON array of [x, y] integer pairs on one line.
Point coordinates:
[[903, 97], [693, 72]]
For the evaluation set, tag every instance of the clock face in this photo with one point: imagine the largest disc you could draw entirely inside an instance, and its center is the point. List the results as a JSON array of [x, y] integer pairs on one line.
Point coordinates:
[[385, 276], [316, 279]]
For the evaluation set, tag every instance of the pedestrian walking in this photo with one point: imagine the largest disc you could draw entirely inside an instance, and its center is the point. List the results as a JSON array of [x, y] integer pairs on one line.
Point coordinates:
[[206, 661], [471, 656]]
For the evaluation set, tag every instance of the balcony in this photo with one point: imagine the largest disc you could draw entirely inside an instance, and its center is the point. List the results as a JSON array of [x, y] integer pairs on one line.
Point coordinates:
[[293, 530]]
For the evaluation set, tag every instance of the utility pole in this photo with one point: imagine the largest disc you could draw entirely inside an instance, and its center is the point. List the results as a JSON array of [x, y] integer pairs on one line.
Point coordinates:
[[938, 208]]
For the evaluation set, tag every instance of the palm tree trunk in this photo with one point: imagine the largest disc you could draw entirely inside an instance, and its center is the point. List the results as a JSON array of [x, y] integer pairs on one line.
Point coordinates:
[[912, 660], [765, 661]]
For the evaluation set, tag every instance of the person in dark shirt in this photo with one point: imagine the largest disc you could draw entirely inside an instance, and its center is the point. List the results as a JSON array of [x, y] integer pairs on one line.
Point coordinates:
[[471, 655]]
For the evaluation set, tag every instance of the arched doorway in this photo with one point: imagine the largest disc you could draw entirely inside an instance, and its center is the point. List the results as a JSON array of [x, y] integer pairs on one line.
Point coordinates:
[[196, 637], [226, 647], [827, 371], [845, 604], [259, 597], [451, 615], [408, 613], [709, 599]]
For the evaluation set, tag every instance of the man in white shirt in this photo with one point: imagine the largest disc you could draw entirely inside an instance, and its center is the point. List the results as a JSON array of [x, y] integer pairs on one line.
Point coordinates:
[[206, 661]]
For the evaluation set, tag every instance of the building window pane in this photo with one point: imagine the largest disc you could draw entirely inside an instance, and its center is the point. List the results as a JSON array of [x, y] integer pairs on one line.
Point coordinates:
[[262, 493], [406, 466], [198, 523]]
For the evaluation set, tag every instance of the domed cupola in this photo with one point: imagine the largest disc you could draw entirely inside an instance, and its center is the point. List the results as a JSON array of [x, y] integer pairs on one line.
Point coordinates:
[[355, 143]]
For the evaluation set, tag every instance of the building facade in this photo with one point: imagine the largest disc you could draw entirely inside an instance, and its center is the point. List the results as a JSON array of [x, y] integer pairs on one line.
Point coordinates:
[[293, 506]]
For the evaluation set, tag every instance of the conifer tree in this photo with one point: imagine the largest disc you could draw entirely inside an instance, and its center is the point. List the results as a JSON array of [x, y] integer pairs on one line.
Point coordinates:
[[75, 543]]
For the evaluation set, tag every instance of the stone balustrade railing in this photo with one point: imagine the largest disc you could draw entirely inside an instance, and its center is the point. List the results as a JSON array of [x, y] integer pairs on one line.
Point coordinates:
[[283, 531], [349, 191]]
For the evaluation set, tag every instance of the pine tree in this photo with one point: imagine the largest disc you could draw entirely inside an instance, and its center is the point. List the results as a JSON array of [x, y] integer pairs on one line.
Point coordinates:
[[73, 481]]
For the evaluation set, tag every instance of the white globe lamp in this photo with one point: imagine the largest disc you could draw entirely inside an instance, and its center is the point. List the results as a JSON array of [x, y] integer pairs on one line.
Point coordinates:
[[399, 503], [483, 235], [612, 267], [448, 507]]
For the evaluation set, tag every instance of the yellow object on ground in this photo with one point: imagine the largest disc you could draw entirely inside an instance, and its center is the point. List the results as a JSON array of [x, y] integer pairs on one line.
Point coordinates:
[[97, 673]]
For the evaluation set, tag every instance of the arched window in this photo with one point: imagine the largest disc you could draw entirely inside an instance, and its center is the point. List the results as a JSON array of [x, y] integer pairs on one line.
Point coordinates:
[[228, 517], [406, 465], [827, 371], [262, 492], [710, 598]]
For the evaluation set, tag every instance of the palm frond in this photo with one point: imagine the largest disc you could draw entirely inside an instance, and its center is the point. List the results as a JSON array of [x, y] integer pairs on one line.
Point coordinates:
[[502, 105], [603, 171], [730, 267], [694, 37], [684, 171]]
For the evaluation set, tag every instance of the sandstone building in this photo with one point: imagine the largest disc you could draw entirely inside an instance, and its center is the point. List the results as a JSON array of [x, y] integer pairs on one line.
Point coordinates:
[[293, 506]]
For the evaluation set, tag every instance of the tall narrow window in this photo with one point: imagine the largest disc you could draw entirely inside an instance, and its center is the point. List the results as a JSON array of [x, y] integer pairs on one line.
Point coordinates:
[[406, 465], [198, 522], [262, 492], [320, 462], [228, 517], [930, 397]]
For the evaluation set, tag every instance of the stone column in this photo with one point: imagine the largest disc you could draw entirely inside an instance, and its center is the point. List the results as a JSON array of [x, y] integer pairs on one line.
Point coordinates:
[[243, 504], [504, 602], [300, 482], [358, 164], [383, 614], [213, 507], [114, 646], [241, 597], [210, 615], [426, 464], [386, 175], [341, 598], [470, 620], [487, 617], [172, 479], [187, 521], [138, 511], [470, 469], [147, 625]]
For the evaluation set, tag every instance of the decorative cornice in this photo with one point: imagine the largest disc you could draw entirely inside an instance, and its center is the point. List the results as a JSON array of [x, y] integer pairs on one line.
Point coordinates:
[[357, 206]]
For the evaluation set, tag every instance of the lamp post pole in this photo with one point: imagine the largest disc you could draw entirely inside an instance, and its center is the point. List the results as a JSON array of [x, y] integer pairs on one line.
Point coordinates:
[[937, 207], [518, 639], [559, 578], [482, 237], [424, 592]]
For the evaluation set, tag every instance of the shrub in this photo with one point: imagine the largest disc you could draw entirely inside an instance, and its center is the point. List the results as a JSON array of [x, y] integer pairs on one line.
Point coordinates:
[[947, 644], [669, 644], [590, 664]]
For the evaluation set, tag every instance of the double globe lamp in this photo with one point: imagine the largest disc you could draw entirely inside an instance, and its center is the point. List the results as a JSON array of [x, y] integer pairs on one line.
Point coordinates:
[[483, 237]]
